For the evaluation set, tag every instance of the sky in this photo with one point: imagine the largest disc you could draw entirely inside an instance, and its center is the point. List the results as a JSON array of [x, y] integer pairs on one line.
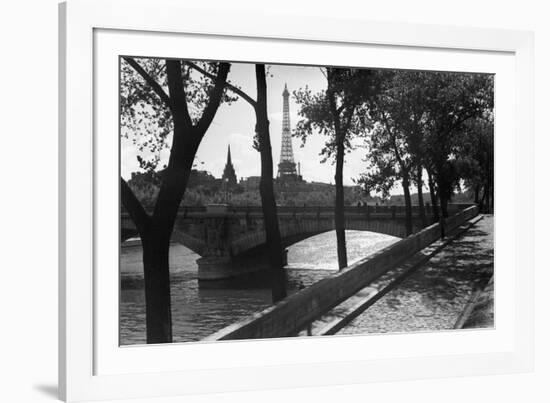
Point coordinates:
[[234, 125]]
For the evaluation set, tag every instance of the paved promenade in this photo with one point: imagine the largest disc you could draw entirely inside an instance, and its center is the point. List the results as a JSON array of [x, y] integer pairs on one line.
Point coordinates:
[[434, 296]]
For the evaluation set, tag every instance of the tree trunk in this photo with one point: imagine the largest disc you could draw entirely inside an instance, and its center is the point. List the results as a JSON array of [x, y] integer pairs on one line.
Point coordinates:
[[157, 287], [339, 217], [484, 203], [422, 212], [433, 198], [476, 194], [156, 248], [339, 133], [155, 244], [443, 201], [492, 195], [444, 213], [269, 206], [408, 204]]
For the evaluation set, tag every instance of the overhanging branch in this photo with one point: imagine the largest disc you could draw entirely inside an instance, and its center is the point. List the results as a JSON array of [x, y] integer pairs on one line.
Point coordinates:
[[130, 202], [228, 85], [149, 80], [215, 98]]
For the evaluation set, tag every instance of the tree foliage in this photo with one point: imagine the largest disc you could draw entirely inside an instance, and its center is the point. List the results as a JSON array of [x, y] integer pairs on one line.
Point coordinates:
[[423, 121], [475, 159], [395, 144], [147, 118], [453, 101], [340, 106]]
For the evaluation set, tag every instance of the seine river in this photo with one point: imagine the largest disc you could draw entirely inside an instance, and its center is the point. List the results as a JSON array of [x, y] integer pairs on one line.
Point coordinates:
[[199, 312]]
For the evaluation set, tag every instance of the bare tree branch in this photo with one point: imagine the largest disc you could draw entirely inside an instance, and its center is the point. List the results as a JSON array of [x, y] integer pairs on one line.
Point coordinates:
[[215, 98], [149, 80], [229, 86], [135, 209], [341, 108], [176, 89]]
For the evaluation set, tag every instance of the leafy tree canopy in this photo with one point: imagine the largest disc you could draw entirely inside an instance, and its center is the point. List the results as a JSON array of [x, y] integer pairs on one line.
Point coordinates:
[[147, 118], [338, 108]]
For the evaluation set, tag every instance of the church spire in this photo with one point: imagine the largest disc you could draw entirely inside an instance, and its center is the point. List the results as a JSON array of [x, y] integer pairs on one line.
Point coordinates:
[[229, 177], [228, 155]]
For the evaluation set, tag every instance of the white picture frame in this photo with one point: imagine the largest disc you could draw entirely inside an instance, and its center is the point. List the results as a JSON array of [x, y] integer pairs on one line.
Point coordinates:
[[92, 367]]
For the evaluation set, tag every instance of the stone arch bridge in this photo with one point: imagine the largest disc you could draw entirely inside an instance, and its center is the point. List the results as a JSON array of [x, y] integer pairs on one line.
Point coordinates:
[[231, 240]]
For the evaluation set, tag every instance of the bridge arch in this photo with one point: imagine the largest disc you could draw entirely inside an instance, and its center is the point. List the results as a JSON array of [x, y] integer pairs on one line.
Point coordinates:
[[128, 230], [196, 245], [299, 230]]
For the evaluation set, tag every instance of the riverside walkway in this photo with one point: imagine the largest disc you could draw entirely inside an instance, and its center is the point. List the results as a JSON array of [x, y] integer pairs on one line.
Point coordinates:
[[436, 294]]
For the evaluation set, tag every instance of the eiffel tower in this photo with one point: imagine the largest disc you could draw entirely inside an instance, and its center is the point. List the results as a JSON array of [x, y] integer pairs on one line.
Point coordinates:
[[287, 166]]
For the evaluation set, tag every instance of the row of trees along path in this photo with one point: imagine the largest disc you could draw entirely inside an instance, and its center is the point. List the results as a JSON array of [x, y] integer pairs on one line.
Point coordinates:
[[410, 122]]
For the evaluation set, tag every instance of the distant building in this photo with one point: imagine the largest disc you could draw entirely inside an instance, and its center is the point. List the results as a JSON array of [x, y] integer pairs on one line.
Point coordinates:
[[202, 179], [250, 183], [229, 178]]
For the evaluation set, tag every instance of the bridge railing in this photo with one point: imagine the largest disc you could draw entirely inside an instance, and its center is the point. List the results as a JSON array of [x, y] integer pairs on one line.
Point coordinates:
[[363, 209], [291, 315], [386, 209], [393, 211]]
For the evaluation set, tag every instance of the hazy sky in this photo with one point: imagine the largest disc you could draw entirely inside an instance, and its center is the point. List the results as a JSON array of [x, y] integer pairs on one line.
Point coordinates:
[[234, 125]]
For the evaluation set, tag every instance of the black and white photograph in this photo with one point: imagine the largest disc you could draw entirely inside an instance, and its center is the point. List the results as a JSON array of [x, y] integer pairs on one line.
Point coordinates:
[[265, 200]]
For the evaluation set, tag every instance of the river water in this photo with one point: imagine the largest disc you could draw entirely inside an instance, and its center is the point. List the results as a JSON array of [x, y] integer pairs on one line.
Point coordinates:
[[199, 312]]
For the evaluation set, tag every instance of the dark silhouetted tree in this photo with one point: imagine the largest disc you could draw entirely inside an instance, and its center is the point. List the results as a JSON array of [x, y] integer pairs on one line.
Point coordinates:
[[336, 113], [164, 108], [452, 100], [262, 142], [475, 159]]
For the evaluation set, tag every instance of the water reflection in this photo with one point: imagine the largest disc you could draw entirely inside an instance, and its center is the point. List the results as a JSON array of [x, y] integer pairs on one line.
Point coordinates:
[[198, 312]]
